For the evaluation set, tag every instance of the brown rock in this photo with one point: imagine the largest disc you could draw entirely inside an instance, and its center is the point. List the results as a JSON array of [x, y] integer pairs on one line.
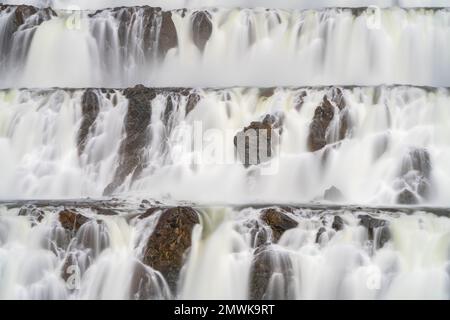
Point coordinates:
[[267, 263], [201, 28], [169, 241], [168, 37], [71, 220], [249, 146], [338, 223], [136, 123], [278, 221], [323, 115], [90, 109]]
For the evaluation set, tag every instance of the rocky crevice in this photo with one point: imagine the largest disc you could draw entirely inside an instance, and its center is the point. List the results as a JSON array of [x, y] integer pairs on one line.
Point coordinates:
[[90, 107], [137, 135], [320, 130], [201, 29]]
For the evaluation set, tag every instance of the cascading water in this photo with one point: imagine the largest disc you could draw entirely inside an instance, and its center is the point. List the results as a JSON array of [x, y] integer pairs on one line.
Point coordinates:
[[228, 150], [338, 254], [124, 47], [395, 136]]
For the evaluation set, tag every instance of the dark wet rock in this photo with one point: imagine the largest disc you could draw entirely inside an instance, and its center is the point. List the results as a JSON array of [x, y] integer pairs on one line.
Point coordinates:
[[137, 136], [333, 194], [159, 36], [149, 213], [318, 136], [320, 232], [267, 92], [338, 223], [105, 211], [32, 212], [169, 241], [71, 220], [278, 221], [90, 108], [146, 285], [270, 274], [256, 143], [372, 224], [415, 172], [383, 236], [170, 107], [193, 100], [201, 28], [300, 100], [22, 17], [168, 37], [317, 131], [23, 12], [407, 197]]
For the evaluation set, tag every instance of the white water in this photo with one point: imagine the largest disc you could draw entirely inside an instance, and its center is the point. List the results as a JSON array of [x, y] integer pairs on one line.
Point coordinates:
[[39, 129], [251, 47], [414, 264]]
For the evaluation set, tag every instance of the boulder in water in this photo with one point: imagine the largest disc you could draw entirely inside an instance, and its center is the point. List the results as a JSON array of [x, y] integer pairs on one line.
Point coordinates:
[[137, 121], [338, 223], [201, 28], [72, 220], [278, 222], [323, 115], [256, 143], [270, 274], [169, 241], [90, 108], [372, 224]]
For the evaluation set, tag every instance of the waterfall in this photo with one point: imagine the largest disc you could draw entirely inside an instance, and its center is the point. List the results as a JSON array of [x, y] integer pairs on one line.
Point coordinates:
[[128, 46], [395, 138], [226, 149], [317, 259]]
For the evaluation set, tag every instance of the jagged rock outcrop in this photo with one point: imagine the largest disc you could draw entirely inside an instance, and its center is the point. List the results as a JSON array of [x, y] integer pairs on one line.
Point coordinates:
[[169, 241], [257, 142], [22, 17], [193, 100], [415, 175], [201, 29], [372, 224], [319, 130], [136, 123], [90, 107], [35, 214], [338, 223], [72, 220], [23, 12], [159, 34], [278, 221], [271, 269]]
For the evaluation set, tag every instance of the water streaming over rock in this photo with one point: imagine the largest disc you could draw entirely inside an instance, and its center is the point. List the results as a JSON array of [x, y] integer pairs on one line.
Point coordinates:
[[235, 47], [45, 253], [386, 145], [224, 149]]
